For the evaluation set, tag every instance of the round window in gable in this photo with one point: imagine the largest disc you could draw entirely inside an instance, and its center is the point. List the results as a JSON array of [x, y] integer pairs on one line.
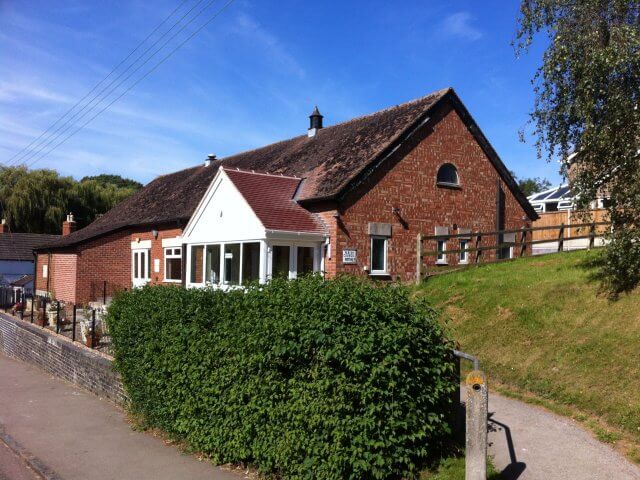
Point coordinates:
[[448, 176]]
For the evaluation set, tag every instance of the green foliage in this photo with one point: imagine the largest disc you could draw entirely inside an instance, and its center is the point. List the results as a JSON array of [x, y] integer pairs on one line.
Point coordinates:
[[115, 180], [532, 185], [587, 102], [304, 379], [37, 201]]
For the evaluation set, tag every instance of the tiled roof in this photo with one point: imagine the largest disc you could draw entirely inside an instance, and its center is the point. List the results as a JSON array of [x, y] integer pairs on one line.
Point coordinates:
[[19, 246], [328, 163], [271, 197], [22, 281]]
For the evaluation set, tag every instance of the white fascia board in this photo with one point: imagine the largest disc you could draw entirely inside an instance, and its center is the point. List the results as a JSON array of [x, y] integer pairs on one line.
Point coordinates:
[[172, 242], [288, 235], [141, 244], [197, 213]]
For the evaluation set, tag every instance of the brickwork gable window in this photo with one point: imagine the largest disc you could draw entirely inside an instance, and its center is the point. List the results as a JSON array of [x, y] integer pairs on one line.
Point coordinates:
[[448, 176], [379, 255]]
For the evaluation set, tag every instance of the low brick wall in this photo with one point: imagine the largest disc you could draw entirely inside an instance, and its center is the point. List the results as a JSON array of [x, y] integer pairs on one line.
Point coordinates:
[[60, 357]]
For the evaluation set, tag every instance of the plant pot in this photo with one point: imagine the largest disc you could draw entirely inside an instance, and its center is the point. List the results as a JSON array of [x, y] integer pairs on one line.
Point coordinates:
[[40, 319], [88, 341]]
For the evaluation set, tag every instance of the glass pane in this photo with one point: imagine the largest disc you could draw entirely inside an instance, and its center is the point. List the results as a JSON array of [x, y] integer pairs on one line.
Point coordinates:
[[377, 254], [212, 273], [232, 263], [174, 269], [196, 263], [250, 262], [135, 265], [305, 260], [280, 261], [448, 174]]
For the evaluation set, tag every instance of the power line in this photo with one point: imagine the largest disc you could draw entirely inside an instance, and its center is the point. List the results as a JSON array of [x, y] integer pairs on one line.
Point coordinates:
[[91, 105], [68, 124], [99, 83], [213, 17]]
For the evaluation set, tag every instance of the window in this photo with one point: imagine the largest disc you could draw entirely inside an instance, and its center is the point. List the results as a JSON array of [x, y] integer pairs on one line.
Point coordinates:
[[212, 266], [441, 258], [173, 264], [232, 263], [464, 255], [304, 261], [250, 262], [280, 261], [448, 175], [378, 255], [196, 264]]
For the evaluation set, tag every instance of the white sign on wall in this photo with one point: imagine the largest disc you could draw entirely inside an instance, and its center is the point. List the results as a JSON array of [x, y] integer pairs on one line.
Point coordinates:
[[349, 256], [156, 265]]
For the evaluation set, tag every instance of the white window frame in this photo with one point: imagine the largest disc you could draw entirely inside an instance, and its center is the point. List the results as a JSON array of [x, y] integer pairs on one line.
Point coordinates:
[[167, 257], [464, 254], [441, 258], [385, 270]]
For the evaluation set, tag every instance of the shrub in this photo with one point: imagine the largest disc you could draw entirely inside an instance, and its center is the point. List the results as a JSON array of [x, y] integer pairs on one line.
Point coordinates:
[[304, 379]]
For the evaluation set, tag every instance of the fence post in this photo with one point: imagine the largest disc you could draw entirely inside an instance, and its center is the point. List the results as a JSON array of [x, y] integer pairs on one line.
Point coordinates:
[[93, 329], [73, 331], [592, 235], [44, 312], [33, 298], [419, 259], [476, 424], [561, 238], [58, 317], [523, 243], [478, 252]]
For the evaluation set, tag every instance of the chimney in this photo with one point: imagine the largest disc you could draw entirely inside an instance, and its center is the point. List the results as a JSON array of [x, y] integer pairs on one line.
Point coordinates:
[[315, 122], [69, 225], [4, 228], [210, 158]]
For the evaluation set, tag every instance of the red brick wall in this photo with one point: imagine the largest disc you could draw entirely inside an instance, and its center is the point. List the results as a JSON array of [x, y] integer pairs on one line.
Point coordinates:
[[410, 186], [157, 251], [79, 276], [63, 268]]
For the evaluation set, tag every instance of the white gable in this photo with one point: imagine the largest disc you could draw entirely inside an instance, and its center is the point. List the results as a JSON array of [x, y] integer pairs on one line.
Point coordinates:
[[223, 215]]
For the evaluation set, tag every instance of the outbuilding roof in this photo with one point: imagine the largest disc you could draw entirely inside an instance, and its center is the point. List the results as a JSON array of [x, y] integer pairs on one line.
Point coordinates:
[[328, 162], [20, 246]]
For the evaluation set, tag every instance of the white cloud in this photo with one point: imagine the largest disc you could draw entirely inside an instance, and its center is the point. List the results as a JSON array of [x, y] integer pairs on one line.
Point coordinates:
[[460, 25]]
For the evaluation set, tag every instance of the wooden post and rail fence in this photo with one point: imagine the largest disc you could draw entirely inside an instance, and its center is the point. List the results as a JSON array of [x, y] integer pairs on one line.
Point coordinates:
[[500, 245]]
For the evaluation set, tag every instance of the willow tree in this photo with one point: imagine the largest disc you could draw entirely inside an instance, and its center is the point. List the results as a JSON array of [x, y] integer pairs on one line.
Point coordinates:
[[587, 111]]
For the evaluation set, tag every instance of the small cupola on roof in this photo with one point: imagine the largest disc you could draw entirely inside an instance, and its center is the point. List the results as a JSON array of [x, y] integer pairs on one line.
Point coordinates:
[[315, 122], [210, 158]]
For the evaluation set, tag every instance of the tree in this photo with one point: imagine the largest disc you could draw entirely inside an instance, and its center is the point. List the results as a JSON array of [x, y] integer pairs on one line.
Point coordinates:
[[532, 185], [587, 112], [115, 180], [37, 201]]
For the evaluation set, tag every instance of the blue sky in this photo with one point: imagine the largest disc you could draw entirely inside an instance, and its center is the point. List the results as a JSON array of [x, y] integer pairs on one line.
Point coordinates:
[[253, 75]]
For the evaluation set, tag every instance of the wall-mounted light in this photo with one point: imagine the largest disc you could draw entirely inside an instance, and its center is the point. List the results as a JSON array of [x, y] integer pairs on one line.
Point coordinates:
[[154, 232]]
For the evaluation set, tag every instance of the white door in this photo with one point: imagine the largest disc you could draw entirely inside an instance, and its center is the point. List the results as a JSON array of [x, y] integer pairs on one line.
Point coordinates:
[[140, 267]]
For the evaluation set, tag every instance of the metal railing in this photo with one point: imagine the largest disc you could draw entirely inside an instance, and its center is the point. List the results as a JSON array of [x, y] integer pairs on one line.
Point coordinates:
[[79, 323]]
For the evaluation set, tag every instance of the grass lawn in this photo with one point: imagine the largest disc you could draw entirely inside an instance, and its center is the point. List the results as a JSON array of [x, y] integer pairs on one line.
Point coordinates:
[[539, 326]]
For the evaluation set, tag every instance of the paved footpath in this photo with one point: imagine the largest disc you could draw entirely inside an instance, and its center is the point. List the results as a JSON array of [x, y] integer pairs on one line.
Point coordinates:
[[530, 443], [80, 436]]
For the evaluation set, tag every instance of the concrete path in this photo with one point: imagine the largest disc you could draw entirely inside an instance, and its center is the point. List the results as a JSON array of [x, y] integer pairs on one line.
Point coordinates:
[[12, 467], [79, 436], [530, 443]]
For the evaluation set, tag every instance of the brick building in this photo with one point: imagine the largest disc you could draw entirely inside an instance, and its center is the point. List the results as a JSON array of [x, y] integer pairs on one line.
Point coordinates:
[[350, 198]]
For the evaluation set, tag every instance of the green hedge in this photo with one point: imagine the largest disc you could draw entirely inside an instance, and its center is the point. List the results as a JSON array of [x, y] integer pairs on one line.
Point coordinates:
[[303, 379]]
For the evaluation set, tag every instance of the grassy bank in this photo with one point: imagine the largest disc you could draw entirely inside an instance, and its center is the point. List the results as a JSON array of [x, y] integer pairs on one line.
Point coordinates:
[[539, 326]]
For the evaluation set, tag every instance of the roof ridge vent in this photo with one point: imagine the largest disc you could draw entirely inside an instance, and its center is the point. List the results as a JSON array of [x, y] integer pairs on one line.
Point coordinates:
[[315, 122], [210, 158]]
